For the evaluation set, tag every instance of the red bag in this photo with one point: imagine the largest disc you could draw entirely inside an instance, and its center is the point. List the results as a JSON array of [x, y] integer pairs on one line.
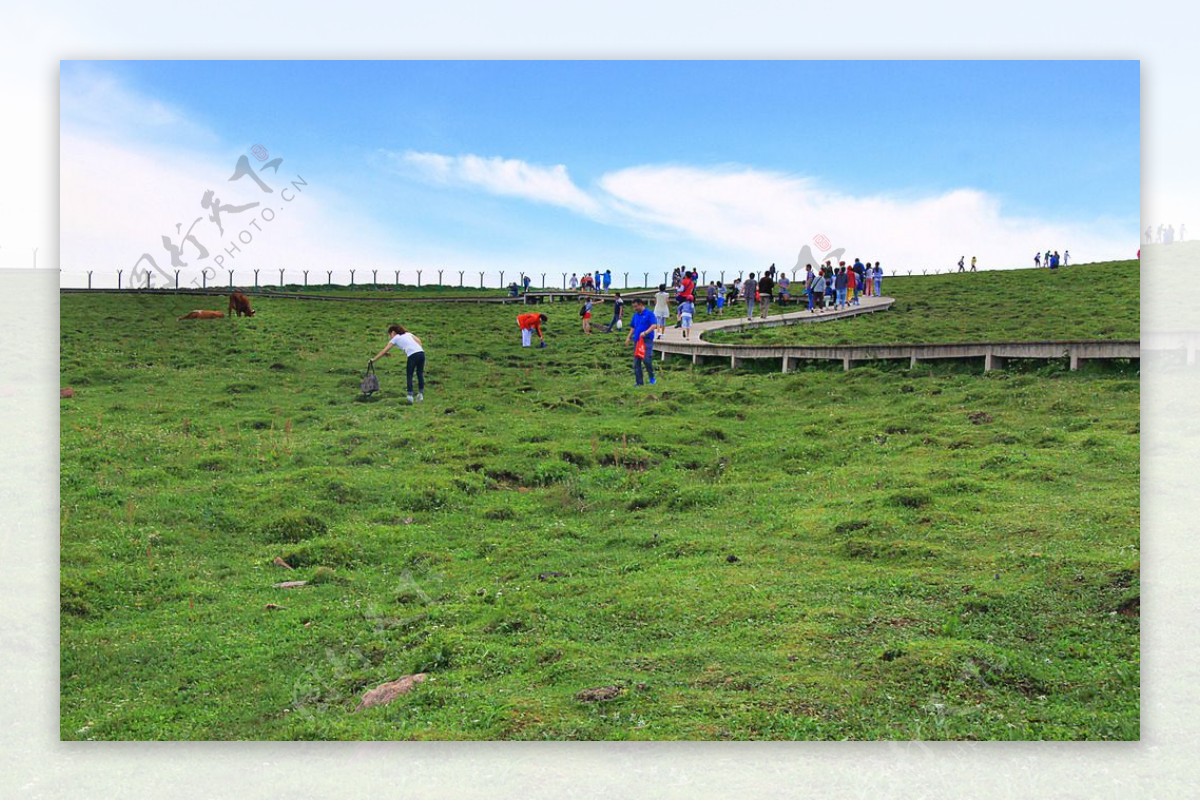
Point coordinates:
[[639, 350]]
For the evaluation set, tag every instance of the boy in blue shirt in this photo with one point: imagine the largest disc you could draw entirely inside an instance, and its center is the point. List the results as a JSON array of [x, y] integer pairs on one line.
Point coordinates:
[[687, 310], [641, 327]]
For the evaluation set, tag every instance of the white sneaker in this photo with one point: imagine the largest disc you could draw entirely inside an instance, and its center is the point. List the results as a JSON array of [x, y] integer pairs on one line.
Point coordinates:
[[420, 396], [410, 398]]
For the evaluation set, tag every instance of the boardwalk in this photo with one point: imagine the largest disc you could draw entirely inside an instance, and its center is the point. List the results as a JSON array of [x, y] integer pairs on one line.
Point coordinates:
[[993, 354]]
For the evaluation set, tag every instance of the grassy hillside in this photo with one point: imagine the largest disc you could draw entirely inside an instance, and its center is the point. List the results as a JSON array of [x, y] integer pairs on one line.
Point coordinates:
[[1089, 301], [880, 554]]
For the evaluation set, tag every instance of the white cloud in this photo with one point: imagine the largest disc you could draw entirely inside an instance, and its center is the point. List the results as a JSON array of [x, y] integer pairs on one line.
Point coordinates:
[[769, 216], [97, 101], [117, 203], [500, 176]]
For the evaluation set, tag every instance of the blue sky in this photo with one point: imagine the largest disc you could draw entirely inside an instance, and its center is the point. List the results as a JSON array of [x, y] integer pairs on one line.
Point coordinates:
[[551, 166]]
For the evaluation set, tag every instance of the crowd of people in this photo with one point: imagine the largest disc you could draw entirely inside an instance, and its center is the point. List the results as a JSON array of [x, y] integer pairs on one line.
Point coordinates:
[[1052, 259], [1164, 234], [826, 287]]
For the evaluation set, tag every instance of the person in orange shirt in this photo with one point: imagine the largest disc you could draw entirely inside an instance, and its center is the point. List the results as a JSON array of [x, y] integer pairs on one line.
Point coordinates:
[[528, 323]]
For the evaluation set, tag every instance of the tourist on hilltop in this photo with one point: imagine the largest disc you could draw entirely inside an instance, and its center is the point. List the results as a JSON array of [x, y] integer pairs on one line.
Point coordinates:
[[1037, 259], [618, 308], [585, 315], [841, 283], [528, 323], [808, 285], [662, 308], [574, 282], [596, 283], [415, 361], [607, 279], [720, 297], [676, 274], [961, 267], [830, 286], [852, 286], [1149, 235], [735, 289], [710, 297], [816, 295], [878, 276], [641, 330], [785, 289], [766, 293], [687, 288], [750, 290], [1066, 257], [1046, 259], [686, 310], [972, 264]]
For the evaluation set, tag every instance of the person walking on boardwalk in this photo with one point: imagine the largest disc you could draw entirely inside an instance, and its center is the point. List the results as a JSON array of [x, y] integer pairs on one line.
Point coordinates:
[[720, 297], [841, 283], [710, 297], [618, 308], [607, 279], [766, 293], [662, 307], [686, 311], [415, 363], [750, 289], [641, 333], [808, 285], [574, 281], [878, 276], [529, 323], [817, 294]]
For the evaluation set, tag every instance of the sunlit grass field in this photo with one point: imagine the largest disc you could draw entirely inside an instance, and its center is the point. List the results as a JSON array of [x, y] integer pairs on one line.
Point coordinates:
[[879, 554]]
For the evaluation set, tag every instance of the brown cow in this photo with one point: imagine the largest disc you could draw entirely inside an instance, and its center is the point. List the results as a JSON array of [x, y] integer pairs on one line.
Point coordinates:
[[241, 304], [202, 314]]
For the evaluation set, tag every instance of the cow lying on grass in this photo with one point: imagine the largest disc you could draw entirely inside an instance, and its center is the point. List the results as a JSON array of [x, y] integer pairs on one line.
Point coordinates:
[[202, 314], [241, 304]]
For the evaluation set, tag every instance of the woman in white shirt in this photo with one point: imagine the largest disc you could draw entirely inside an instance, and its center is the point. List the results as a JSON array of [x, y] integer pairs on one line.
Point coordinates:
[[415, 352], [661, 308]]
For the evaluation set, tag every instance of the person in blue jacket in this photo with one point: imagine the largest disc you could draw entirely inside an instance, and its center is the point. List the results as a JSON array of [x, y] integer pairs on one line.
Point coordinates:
[[641, 327]]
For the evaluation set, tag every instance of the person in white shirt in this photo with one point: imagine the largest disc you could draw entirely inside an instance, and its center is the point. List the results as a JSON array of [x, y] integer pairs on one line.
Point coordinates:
[[415, 352], [661, 308]]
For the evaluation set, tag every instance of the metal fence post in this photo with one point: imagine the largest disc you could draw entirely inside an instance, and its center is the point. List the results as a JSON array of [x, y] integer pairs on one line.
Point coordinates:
[[119, 278]]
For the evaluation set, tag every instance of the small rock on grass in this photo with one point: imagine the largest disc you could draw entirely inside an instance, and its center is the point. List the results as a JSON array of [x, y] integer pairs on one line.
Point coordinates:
[[389, 691], [66, 392], [273, 607], [731, 559], [549, 574], [290, 585], [598, 694]]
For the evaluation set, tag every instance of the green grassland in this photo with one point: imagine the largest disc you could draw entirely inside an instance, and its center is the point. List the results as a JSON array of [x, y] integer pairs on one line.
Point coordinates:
[[1093, 301], [880, 554]]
